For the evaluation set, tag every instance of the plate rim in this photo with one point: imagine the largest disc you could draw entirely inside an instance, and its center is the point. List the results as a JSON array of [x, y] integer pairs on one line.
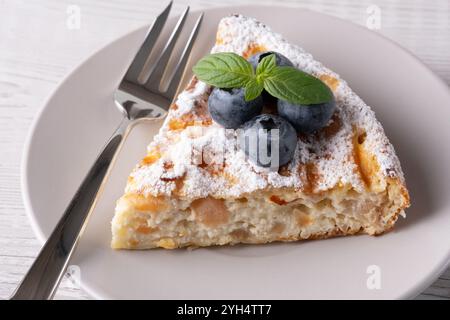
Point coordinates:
[[419, 287]]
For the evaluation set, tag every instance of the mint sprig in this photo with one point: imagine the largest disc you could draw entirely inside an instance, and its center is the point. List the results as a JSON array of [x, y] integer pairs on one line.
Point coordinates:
[[295, 86], [224, 70], [229, 70], [266, 66], [253, 89]]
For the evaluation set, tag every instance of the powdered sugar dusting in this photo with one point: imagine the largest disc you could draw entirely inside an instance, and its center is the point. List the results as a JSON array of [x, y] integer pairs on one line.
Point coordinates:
[[227, 172]]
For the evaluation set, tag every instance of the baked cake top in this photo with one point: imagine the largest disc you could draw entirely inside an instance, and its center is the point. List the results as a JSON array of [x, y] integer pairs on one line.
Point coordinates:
[[193, 157]]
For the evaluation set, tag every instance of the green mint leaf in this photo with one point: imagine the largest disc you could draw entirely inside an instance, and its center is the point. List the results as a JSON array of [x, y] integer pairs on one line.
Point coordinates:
[[297, 87], [224, 70], [266, 66], [252, 90]]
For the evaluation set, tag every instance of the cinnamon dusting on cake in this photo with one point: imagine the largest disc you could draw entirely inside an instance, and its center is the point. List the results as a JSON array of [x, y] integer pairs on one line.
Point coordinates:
[[310, 177], [168, 165], [284, 171], [333, 127], [191, 86], [179, 184]]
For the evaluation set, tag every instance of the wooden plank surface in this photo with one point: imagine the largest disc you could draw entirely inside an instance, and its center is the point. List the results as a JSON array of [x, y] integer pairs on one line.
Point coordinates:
[[37, 49]]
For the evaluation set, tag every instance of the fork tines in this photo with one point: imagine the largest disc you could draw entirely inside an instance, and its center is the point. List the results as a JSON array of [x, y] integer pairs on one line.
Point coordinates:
[[158, 69]]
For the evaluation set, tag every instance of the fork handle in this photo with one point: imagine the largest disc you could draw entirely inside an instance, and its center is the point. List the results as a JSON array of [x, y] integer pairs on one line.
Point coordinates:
[[43, 277]]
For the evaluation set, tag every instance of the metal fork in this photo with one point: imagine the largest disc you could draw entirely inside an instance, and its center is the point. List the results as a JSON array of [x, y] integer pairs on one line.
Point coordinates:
[[136, 100]]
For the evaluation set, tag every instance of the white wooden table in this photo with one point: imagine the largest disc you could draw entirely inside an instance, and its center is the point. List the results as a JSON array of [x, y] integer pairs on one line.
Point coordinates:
[[39, 46]]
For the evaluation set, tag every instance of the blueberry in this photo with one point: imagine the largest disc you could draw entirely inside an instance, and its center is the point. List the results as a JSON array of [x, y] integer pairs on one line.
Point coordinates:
[[229, 108], [281, 60], [268, 148], [307, 118]]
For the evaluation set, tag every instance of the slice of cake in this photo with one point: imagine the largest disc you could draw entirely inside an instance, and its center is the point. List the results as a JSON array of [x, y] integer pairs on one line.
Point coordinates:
[[196, 187]]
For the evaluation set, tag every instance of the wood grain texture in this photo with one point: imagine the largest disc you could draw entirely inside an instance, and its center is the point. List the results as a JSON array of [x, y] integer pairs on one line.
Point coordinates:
[[37, 50]]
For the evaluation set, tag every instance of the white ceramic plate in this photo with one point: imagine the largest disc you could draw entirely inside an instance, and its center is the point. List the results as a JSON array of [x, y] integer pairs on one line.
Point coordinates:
[[410, 101]]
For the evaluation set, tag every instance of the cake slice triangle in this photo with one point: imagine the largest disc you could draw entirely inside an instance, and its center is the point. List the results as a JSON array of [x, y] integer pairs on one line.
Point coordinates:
[[196, 188]]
